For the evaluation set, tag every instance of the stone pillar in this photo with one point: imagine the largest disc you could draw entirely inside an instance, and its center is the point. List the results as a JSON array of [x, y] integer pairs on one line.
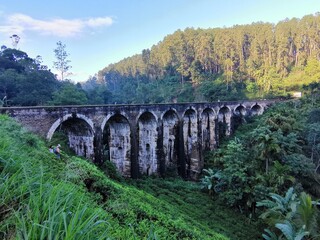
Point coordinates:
[[181, 151], [191, 144], [207, 130], [160, 150], [98, 146], [134, 151]]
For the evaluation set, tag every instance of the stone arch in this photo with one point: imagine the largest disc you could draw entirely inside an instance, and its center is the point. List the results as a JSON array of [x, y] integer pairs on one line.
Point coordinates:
[[117, 143], [190, 140], [170, 130], [147, 140], [208, 127], [240, 112], [58, 122], [256, 109], [224, 119], [106, 119], [80, 132]]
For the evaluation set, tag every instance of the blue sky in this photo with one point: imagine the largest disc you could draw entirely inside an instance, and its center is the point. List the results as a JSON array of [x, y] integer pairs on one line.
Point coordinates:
[[100, 32]]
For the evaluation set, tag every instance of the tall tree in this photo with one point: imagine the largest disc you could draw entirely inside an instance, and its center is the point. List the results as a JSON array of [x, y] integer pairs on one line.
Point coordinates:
[[62, 63]]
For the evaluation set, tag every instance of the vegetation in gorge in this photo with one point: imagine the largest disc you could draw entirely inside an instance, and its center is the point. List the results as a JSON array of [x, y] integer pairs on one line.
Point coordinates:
[[276, 155]]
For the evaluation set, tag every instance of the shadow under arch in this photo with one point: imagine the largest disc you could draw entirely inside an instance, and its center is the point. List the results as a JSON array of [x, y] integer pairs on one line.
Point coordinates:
[[80, 133], [170, 130], [240, 110], [208, 129], [190, 140], [224, 121], [117, 143], [239, 117], [256, 109], [147, 144]]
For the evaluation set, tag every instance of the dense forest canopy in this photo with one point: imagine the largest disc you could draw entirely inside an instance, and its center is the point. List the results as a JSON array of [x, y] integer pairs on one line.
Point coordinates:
[[244, 61]]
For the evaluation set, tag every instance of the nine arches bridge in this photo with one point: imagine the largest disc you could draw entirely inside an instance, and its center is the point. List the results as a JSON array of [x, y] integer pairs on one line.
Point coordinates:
[[141, 139]]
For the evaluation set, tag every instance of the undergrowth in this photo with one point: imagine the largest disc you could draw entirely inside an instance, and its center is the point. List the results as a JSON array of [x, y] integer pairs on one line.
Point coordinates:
[[201, 210]]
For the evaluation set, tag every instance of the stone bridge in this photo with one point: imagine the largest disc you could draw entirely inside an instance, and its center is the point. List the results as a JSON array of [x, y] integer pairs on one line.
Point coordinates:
[[141, 139]]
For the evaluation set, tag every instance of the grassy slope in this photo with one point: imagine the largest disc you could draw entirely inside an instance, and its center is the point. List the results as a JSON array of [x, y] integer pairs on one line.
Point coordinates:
[[42, 197], [187, 200]]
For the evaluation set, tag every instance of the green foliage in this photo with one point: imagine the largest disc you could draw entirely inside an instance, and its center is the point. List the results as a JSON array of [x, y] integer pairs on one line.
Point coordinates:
[[202, 211], [289, 232], [69, 94], [296, 218], [276, 151], [109, 168], [259, 60], [34, 203], [62, 63], [24, 81], [279, 208]]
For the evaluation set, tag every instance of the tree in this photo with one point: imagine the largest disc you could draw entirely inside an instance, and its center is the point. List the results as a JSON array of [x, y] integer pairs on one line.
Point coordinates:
[[69, 94], [294, 217], [62, 63], [267, 145]]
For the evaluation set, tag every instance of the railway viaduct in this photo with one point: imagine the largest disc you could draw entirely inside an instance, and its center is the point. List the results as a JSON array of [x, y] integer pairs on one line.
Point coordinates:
[[141, 139]]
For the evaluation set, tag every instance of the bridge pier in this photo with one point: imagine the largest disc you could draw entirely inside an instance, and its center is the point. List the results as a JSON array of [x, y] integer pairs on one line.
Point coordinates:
[[98, 147]]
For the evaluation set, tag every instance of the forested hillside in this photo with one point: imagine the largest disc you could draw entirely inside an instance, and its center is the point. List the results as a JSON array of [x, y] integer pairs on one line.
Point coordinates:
[[243, 61]]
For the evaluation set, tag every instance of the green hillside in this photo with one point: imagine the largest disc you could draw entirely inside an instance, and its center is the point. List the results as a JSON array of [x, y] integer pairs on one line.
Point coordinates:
[[258, 60], [42, 197]]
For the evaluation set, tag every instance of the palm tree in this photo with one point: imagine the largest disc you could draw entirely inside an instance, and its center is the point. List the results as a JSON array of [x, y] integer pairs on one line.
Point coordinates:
[[267, 144], [279, 176], [307, 214]]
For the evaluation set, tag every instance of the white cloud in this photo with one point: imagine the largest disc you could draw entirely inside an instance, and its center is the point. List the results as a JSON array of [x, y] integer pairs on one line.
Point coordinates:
[[101, 21], [19, 23]]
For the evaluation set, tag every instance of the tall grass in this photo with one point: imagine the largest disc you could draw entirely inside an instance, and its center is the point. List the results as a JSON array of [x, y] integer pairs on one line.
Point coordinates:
[[44, 209], [35, 205]]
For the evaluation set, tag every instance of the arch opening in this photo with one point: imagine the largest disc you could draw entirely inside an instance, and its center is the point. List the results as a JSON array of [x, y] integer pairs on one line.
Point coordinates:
[[75, 132], [239, 116], [147, 141], [240, 111], [208, 129], [170, 141], [256, 110], [117, 143], [224, 122]]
